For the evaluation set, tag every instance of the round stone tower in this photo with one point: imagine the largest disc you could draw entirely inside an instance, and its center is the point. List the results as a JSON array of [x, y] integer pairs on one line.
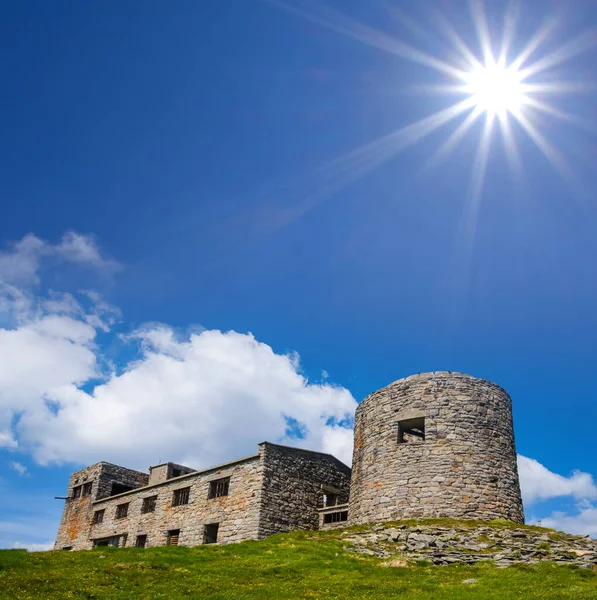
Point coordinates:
[[435, 445]]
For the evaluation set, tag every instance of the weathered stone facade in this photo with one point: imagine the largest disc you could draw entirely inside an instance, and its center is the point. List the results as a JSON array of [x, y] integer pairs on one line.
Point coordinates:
[[279, 489], [431, 445], [435, 445]]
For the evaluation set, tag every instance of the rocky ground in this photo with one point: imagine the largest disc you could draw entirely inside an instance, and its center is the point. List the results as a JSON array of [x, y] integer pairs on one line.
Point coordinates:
[[441, 544]]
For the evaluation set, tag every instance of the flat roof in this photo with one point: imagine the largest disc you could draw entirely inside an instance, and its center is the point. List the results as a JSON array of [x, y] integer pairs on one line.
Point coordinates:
[[180, 478]]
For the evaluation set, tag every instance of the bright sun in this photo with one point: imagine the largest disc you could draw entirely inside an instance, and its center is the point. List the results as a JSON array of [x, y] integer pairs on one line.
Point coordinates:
[[496, 89]]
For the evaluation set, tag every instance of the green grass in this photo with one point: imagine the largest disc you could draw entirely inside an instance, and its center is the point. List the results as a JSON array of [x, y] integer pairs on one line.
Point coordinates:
[[290, 566]]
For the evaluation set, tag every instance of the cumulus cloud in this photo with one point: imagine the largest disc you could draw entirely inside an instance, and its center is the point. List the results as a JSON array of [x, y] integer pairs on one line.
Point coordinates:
[[200, 400], [582, 521], [539, 483]]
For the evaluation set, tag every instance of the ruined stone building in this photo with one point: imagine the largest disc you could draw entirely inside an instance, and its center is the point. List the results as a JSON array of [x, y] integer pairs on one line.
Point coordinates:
[[430, 445]]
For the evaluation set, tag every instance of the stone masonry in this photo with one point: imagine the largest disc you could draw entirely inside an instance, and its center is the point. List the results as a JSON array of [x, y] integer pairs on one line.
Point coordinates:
[[435, 445], [431, 445], [278, 489]]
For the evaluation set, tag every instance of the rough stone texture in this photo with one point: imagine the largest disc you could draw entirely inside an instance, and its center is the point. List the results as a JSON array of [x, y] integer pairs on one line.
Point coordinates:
[[237, 513], [455, 544], [465, 467], [279, 489], [294, 483], [77, 513], [165, 471]]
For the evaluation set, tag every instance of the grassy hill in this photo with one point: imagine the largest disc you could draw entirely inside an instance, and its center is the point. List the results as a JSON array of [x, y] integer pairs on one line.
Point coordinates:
[[297, 565]]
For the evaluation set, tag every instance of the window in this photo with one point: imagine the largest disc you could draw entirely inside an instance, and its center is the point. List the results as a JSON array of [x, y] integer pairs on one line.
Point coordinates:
[[141, 541], [77, 491], [66, 548], [149, 504], [173, 537], [336, 517], [87, 488], [210, 533], [176, 472], [98, 516], [109, 541], [330, 499], [119, 488], [122, 510], [181, 496], [411, 431], [219, 487]]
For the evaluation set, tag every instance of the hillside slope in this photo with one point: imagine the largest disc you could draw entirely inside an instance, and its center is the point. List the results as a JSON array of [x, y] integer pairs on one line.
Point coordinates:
[[360, 562]]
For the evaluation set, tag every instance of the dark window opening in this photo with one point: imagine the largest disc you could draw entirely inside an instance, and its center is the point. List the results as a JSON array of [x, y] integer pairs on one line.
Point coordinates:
[[176, 472], [173, 537], [77, 491], [122, 510], [330, 499], [219, 487], [67, 548], [87, 488], [210, 534], [336, 517], [98, 516], [109, 541], [149, 504], [120, 488], [181, 497], [411, 431], [141, 541]]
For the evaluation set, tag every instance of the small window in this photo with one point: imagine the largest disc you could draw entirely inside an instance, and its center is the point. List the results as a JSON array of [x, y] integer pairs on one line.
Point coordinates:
[[173, 537], [98, 516], [119, 488], [330, 499], [122, 510], [180, 497], [66, 548], [141, 541], [411, 431], [109, 541], [176, 472], [219, 487], [337, 517], [87, 488], [149, 504], [77, 491], [210, 534]]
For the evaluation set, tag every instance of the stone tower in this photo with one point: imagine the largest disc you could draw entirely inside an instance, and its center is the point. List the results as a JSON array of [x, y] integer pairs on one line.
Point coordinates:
[[435, 445]]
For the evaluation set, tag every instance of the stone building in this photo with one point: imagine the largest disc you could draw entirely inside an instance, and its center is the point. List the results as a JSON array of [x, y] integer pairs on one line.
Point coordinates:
[[275, 490], [431, 445], [435, 445]]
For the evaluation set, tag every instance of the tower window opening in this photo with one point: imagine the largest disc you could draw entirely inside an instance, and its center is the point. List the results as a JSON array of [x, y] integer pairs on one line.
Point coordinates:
[[411, 431]]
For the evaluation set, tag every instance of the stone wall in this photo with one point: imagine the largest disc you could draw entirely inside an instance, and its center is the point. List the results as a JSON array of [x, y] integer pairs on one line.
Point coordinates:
[[166, 471], [294, 483], [464, 468], [236, 513], [75, 523]]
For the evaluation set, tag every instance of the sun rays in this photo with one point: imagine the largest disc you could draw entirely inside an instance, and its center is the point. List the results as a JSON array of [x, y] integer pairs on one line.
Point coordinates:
[[490, 83]]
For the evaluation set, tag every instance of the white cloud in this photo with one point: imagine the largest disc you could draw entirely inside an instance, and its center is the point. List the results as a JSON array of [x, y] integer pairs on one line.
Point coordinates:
[[538, 483], [32, 546], [20, 468], [583, 521], [20, 264], [200, 400]]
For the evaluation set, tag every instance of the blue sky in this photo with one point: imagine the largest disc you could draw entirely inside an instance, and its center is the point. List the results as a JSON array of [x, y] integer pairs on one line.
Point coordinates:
[[177, 176]]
